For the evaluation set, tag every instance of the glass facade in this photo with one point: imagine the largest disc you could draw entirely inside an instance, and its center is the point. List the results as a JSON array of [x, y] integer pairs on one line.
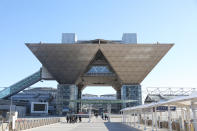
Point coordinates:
[[66, 92], [99, 69], [131, 92]]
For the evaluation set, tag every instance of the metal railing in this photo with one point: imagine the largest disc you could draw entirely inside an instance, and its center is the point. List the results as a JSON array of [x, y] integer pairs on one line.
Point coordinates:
[[23, 124]]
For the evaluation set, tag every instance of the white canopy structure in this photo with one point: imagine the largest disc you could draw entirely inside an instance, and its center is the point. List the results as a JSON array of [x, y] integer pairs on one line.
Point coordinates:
[[175, 114]]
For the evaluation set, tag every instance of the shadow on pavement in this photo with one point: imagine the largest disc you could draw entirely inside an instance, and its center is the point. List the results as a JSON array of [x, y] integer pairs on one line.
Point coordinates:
[[117, 126]]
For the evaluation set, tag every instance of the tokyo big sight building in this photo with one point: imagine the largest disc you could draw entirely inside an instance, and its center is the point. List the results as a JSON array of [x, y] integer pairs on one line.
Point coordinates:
[[76, 64]]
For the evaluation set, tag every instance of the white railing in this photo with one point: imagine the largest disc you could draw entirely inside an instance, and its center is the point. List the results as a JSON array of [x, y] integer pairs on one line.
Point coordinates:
[[28, 123]]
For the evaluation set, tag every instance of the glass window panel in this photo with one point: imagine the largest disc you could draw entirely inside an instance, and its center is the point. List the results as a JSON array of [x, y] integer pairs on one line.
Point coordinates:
[[99, 69]]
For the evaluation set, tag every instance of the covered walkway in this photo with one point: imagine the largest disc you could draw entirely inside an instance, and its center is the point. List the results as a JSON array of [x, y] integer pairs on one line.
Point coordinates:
[[178, 114]]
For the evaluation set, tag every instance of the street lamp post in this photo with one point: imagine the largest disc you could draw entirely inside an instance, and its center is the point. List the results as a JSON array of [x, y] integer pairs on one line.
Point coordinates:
[[10, 114]]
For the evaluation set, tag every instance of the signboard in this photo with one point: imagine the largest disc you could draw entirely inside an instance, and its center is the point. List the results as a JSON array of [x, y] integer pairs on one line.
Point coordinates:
[[39, 107], [165, 108]]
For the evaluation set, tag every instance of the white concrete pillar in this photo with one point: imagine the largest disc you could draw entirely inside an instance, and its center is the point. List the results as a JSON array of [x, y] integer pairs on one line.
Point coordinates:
[[123, 113], [90, 112], [160, 115], [134, 118], [156, 126], [155, 118], [130, 118], [126, 118], [14, 118], [144, 120], [169, 119], [109, 112], [188, 117], [139, 113], [121, 116], [193, 106], [182, 119]]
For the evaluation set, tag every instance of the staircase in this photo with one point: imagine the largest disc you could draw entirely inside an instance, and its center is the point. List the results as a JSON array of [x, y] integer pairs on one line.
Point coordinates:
[[21, 85]]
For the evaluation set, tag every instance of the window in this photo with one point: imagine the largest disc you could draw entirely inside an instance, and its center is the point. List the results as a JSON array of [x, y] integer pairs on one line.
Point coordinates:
[[99, 69]]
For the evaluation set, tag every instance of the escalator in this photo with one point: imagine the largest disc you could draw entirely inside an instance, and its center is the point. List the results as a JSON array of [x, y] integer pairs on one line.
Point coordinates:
[[21, 85]]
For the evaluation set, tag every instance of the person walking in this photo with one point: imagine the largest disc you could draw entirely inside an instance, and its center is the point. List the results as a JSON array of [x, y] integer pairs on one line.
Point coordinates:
[[105, 116], [70, 119], [67, 118], [76, 118], [80, 119]]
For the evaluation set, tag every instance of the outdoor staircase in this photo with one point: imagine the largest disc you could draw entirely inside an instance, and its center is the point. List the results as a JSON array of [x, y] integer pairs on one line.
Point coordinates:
[[21, 85]]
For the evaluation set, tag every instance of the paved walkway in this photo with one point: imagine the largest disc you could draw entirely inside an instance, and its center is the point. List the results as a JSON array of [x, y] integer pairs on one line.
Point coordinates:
[[97, 124]]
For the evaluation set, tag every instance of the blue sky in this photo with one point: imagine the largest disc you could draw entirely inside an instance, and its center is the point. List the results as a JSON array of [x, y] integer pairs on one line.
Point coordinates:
[[165, 21]]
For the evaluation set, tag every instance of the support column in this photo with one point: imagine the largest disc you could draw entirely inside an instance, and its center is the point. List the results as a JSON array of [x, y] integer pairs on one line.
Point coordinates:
[[66, 92], [109, 112], [122, 116], [134, 118], [182, 119], [131, 92], [188, 117], [160, 116], [79, 105], [118, 94], [90, 112], [144, 120], [139, 119], [118, 97], [169, 119], [130, 118], [193, 106]]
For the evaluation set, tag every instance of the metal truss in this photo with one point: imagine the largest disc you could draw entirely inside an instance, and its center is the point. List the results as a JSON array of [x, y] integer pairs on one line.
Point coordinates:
[[170, 91]]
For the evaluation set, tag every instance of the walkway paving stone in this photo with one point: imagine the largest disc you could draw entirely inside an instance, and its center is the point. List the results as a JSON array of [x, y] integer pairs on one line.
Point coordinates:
[[96, 124]]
